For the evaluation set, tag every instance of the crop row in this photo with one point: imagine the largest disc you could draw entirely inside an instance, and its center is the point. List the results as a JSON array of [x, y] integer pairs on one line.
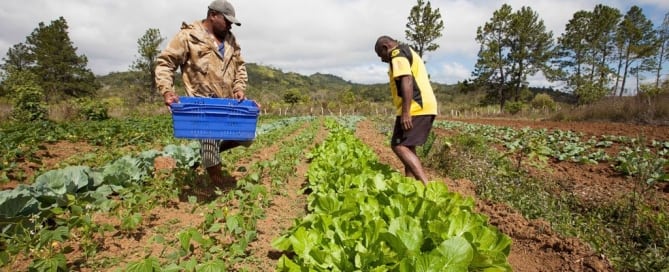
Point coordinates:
[[636, 157], [629, 229], [366, 217], [37, 218]]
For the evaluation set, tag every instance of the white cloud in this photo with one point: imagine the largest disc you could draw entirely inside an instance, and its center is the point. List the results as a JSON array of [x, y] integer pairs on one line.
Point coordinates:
[[326, 36], [452, 72]]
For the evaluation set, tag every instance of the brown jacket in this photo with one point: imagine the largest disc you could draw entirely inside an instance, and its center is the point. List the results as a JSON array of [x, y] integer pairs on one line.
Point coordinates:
[[205, 72]]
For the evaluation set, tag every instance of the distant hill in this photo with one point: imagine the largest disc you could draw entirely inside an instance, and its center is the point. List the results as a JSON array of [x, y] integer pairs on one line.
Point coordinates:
[[264, 78], [269, 84]]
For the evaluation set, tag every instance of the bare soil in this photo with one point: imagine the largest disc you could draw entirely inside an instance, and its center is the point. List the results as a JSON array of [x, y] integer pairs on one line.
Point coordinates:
[[536, 247], [50, 155]]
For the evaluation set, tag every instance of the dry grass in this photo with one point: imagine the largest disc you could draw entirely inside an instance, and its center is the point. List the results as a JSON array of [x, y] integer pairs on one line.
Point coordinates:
[[67, 110], [5, 110], [634, 109], [63, 111]]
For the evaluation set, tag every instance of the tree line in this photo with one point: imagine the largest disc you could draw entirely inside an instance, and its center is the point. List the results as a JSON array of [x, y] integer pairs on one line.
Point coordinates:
[[46, 68], [594, 57], [599, 51]]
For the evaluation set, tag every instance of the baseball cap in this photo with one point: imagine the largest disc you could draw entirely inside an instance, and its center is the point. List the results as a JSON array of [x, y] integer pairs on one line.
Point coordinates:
[[226, 9]]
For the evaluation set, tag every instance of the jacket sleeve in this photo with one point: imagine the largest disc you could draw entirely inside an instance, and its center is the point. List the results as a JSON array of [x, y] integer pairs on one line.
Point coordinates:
[[241, 77], [171, 58]]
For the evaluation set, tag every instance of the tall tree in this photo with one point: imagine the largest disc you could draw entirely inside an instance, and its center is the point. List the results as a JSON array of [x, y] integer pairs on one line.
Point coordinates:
[[61, 70], [18, 58], [148, 50], [531, 47], [574, 49], [513, 47], [584, 52], [603, 32], [490, 68], [424, 26], [662, 48], [636, 41]]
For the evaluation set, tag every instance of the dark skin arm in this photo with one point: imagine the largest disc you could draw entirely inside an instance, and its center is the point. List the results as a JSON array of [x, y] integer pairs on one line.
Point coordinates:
[[406, 89]]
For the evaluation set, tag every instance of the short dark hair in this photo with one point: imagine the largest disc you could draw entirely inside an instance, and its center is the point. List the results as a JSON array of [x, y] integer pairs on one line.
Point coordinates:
[[385, 38]]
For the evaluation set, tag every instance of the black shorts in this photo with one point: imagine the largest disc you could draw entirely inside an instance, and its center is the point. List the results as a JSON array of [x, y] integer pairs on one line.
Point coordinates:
[[422, 124]]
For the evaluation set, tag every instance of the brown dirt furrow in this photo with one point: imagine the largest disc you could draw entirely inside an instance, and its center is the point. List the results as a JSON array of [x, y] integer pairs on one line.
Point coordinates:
[[649, 132], [536, 247], [285, 208], [590, 183], [180, 215]]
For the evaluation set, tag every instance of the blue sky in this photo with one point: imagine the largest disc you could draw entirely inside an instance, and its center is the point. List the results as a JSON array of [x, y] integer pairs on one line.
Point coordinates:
[[303, 36]]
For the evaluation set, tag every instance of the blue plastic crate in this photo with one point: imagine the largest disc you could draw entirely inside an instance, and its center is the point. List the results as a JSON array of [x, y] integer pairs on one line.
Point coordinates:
[[214, 118]]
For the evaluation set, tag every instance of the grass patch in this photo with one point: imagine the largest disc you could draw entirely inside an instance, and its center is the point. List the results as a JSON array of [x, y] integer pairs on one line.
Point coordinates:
[[633, 235]]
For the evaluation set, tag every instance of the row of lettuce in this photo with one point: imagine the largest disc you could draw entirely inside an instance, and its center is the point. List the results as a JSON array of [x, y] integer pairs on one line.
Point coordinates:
[[366, 217], [363, 215]]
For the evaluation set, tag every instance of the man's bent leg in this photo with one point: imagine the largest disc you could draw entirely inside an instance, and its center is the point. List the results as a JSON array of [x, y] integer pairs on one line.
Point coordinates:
[[407, 169], [216, 175], [411, 162], [211, 160]]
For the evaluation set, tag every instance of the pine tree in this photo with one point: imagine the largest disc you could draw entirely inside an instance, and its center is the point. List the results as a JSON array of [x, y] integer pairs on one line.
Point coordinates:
[[513, 47], [584, 52], [662, 48], [61, 71], [574, 49], [148, 49], [490, 68], [424, 26], [603, 32], [636, 41], [18, 58], [531, 48]]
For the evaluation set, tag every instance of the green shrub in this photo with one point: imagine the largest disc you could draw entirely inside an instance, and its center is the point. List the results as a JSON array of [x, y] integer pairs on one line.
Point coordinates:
[[92, 109], [589, 93], [514, 107], [28, 97], [543, 101], [28, 104]]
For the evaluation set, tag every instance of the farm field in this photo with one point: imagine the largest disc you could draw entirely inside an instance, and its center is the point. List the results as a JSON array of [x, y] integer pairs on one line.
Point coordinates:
[[163, 215]]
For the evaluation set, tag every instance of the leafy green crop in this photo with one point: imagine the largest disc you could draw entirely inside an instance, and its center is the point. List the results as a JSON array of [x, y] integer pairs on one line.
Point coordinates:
[[51, 189], [366, 217]]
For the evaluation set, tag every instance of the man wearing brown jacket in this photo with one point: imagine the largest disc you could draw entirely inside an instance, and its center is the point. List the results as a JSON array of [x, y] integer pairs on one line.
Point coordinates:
[[211, 65]]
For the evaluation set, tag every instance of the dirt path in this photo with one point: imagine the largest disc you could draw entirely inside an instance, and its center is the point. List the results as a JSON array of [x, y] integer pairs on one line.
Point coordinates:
[[535, 246], [285, 208], [182, 214]]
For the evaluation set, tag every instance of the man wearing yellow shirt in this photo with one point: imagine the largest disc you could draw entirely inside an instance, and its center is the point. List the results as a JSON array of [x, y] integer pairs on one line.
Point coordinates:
[[414, 99]]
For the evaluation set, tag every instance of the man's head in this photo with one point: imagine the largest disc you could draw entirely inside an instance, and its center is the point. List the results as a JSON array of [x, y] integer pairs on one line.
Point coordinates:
[[383, 46], [226, 9]]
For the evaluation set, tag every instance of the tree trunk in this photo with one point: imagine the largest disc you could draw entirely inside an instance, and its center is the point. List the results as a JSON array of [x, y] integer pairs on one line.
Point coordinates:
[[659, 66], [620, 64], [627, 64]]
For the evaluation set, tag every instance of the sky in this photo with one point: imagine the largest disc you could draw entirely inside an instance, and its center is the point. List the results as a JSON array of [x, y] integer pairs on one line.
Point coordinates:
[[303, 36]]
